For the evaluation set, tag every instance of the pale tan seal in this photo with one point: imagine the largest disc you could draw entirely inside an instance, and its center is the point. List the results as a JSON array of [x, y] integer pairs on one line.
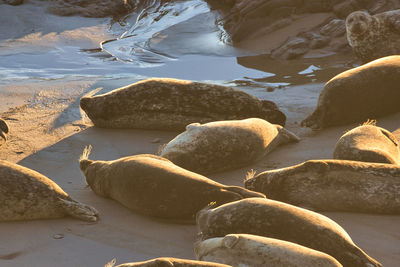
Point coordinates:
[[368, 143], [167, 262], [171, 104], [373, 37], [366, 92], [274, 219], [258, 251], [4, 129], [224, 145], [154, 186], [28, 195], [334, 185]]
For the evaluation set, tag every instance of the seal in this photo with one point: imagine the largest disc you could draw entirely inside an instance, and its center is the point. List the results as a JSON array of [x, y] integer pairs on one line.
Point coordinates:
[[366, 92], [334, 185], [368, 143], [373, 37], [252, 250], [171, 104], [274, 219], [4, 129], [167, 262], [223, 145], [154, 186], [28, 195]]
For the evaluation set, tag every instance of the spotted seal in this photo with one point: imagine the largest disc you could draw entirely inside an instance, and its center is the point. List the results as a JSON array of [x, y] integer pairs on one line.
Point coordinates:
[[373, 37], [171, 104], [28, 195], [366, 92], [334, 185], [154, 186], [252, 250], [223, 145], [368, 143], [4, 129], [274, 219], [167, 262]]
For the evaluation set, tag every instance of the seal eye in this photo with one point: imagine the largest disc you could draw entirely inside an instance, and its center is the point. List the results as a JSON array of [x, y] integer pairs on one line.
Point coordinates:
[[351, 20]]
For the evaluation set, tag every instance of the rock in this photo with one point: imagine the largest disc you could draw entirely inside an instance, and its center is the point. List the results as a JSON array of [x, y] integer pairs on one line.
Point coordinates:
[[335, 28], [294, 47]]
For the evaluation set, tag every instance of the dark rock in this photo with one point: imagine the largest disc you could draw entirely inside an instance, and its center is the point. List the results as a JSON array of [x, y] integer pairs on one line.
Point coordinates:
[[335, 28], [292, 48], [14, 2]]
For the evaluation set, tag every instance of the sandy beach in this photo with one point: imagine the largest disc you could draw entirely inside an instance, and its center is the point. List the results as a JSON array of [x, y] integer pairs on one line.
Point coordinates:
[[49, 132]]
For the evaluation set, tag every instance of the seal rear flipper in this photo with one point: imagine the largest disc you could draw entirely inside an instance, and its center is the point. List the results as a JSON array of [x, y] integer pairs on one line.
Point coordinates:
[[243, 192], [4, 126], [3, 136], [288, 135], [79, 210]]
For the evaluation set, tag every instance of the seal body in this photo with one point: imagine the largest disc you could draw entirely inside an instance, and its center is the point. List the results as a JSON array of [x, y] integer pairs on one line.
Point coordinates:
[[4, 129], [27, 195], [258, 251], [168, 262], [362, 93], [224, 145], [373, 37], [334, 185], [170, 104], [368, 143], [273, 219], [154, 186]]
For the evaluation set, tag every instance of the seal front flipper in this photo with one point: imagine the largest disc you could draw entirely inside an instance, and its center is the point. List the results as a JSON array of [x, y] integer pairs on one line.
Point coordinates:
[[79, 210]]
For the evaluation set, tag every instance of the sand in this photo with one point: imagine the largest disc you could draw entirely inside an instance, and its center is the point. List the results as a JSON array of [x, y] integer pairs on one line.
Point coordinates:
[[49, 132]]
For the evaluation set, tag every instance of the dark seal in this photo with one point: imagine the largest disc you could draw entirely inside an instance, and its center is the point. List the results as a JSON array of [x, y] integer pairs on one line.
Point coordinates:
[[4, 129], [27, 195], [366, 92], [334, 185], [156, 187], [170, 104], [269, 218]]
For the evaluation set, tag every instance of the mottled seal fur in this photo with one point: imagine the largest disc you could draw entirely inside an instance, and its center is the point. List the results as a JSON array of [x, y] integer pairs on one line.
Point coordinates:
[[362, 93], [368, 143], [156, 187], [258, 251], [273, 219], [171, 104], [4, 129], [223, 145], [373, 37], [334, 185], [168, 262], [27, 195]]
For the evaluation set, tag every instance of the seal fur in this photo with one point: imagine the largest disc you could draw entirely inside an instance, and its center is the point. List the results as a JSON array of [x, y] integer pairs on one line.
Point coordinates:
[[334, 185], [4, 129], [28, 195], [362, 93], [167, 262], [273, 219], [258, 251], [171, 104], [154, 186], [223, 145]]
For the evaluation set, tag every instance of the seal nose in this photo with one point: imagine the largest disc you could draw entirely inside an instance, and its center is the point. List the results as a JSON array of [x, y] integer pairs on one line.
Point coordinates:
[[84, 103]]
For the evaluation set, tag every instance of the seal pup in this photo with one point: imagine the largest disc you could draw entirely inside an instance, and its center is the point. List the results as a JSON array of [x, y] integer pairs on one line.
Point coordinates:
[[171, 104], [258, 251], [334, 185], [366, 92], [274, 219], [368, 143], [154, 186], [4, 129], [28, 195], [373, 37], [167, 262], [223, 145]]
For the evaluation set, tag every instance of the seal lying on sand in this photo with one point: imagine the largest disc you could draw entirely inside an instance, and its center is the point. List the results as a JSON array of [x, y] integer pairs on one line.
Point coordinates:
[[170, 104], [368, 143], [3, 131], [373, 37], [154, 186], [334, 185], [27, 195], [269, 218], [224, 145], [167, 262], [362, 93], [251, 250]]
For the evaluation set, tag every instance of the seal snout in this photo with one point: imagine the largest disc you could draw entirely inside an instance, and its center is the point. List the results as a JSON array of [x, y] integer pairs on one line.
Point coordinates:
[[84, 103]]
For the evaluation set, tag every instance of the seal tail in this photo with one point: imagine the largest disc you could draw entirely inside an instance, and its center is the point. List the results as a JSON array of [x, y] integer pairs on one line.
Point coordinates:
[[79, 210], [84, 160]]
